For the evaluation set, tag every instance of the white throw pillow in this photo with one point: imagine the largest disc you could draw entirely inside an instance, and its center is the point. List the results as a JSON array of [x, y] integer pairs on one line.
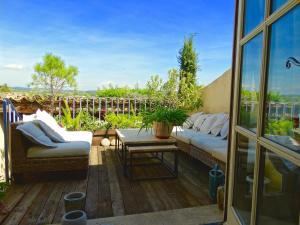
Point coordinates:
[[225, 129], [35, 134], [27, 118], [198, 123], [50, 121], [52, 134], [187, 124], [195, 116], [218, 124], [207, 124]]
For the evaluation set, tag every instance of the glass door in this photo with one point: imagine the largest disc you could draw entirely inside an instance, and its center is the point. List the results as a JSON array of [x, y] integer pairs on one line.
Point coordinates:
[[264, 169]]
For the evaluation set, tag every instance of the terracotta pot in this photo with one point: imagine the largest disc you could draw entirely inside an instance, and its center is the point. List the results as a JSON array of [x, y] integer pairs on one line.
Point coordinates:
[[162, 130]]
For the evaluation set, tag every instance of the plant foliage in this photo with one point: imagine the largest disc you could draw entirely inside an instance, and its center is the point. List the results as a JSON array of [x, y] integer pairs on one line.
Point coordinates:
[[170, 116], [67, 119], [124, 121]]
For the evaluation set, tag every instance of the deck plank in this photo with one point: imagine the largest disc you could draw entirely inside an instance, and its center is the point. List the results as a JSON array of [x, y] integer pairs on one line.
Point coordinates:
[[48, 212], [20, 210], [108, 192], [37, 205], [91, 205], [104, 197]]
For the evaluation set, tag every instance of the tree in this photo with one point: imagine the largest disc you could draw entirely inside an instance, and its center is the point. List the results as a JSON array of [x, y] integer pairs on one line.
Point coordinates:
[[53, 76], [4, 88], [188, 62]]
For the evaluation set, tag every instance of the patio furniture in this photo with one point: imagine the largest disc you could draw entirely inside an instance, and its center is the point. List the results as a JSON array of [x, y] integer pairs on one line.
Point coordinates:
[[144, 142], [156, 152], [28, 159]]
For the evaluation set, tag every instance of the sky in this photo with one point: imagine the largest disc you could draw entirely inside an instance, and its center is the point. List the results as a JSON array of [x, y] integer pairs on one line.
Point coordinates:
[[122, 42]]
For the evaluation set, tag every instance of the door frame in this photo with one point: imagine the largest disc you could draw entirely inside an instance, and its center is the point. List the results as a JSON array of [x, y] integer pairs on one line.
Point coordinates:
[[230, 215]]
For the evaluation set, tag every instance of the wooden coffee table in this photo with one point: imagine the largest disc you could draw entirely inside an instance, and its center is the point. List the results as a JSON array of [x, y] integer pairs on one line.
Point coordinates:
[[131, 142]]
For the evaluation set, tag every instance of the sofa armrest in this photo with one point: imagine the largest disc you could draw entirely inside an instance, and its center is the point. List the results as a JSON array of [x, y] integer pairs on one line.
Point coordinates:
[[18, 144]]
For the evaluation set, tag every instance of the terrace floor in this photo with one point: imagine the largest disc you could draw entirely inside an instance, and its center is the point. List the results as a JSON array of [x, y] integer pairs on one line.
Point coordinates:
[[109, 194]]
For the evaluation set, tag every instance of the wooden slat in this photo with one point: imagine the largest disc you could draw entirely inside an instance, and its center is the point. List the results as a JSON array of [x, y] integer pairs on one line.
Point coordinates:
[[91, 204], [13, 196], [48, 212], [20, 210], [116, 195], [37, 205], [104, 195]]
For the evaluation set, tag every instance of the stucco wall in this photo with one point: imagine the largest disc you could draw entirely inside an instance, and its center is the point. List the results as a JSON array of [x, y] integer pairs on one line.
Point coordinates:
[[2, 165], [216, 95]]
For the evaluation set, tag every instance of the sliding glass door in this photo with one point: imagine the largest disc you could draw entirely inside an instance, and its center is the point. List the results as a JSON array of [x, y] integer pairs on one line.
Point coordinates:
[[264, 173]]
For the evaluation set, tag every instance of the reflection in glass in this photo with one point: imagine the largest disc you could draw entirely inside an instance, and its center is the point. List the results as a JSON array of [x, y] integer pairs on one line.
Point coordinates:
[[283, 95], [254, 14], [251, 66], [245, 160], [276, 4], [279, 194]]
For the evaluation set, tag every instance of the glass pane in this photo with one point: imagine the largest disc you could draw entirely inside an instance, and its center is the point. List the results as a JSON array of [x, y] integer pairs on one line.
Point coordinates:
[[283, 93], [279, 194], [251, 66], [276, 4], [254, 14], [245, 160]]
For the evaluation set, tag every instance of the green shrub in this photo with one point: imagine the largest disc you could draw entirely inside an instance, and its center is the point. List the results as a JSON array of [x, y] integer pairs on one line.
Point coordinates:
[[67, 119], [124, 120], [279, 127], [88, 123]]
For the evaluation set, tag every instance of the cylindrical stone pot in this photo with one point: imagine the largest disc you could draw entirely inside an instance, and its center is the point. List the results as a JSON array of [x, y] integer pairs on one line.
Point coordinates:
[[74, 201], [77, 217]]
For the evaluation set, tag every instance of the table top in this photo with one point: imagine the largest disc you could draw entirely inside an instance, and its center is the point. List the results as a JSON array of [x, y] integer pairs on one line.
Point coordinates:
[[137, 136]]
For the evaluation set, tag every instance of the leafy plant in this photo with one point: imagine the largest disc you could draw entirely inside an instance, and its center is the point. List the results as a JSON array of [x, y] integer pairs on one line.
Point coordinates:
[[67, 119], [89, 123], [170, 116], [279, 127], [123, 121]]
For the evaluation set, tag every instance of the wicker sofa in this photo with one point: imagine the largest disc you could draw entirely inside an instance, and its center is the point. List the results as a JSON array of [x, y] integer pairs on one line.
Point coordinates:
[[28, 159], [207, 148]]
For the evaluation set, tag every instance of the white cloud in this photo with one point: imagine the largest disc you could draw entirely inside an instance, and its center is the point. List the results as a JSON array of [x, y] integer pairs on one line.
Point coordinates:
[[13, 66]]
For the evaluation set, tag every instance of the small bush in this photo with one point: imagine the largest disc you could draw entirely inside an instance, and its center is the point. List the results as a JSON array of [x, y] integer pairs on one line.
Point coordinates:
[[124, 121]]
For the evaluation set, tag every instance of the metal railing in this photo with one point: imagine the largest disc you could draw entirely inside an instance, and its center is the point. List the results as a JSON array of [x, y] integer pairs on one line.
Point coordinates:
[[10, 115]]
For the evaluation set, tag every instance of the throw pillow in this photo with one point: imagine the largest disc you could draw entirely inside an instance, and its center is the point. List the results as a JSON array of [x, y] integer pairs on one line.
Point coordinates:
[[27, 118], [195, 116], [218, 124], [198, 123], [54, 136], [207, 124], [225, 129], [50, 121], [35, 134], [188, 124]]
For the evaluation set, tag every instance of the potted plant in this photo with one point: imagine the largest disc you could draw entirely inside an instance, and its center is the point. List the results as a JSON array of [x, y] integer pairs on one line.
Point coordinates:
[[162, 120]]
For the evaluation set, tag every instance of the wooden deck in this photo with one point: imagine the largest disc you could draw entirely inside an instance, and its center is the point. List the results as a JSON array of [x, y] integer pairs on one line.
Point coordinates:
[[108, 192]]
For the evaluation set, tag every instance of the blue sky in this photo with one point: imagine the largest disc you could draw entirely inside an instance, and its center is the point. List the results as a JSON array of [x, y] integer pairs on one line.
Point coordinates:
[[119, 42]]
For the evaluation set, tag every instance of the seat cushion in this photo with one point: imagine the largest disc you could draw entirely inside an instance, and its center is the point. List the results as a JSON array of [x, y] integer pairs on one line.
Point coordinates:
[[85, 136], [69, 149], [208, 142], [220, 153], [184, 135]]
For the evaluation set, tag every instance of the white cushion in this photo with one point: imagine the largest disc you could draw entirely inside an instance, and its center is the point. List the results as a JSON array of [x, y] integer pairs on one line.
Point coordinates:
[[207, 124], [208, 142], [220, 153], [75, 148], [53, 135], [84, 136], [49, 120], [184, 135], [35, 134], [225, 129], [188, 124], [218, 124], [27, 118], [199, 121], [195, 116]]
